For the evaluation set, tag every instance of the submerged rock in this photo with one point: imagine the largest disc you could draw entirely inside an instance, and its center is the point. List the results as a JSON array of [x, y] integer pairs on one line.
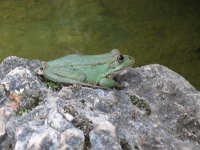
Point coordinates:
[[156, 109]]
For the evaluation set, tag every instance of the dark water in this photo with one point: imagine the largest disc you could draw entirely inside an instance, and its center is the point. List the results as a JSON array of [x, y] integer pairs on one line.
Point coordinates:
[[165, 32]]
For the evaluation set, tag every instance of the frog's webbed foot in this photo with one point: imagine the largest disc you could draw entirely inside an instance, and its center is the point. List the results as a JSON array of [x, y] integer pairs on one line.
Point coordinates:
[[39, 71]]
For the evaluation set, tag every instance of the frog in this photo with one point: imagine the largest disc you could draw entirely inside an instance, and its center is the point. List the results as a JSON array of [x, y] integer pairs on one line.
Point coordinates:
[[88, 70]]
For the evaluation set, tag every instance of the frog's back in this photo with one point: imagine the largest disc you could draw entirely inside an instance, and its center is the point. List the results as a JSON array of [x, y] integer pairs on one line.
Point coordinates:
[[77, 59]]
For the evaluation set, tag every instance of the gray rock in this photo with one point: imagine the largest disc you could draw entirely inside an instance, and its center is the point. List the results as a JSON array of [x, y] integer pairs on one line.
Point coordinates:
[[174, 122], [156, 109], [104, 136], [12, 62], [43, 128]]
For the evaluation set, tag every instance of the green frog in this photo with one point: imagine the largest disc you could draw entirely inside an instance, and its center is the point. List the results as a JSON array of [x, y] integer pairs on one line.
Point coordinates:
[[88, 70]]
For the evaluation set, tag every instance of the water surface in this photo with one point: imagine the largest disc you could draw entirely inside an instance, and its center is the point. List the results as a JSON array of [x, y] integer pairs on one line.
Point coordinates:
[[164, 32]]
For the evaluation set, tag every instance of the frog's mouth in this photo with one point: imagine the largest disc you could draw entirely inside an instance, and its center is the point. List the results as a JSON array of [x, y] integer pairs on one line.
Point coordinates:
[[119, 72]]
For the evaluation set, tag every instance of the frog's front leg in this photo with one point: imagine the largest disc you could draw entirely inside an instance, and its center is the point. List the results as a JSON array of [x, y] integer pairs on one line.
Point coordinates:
[[106, 82]]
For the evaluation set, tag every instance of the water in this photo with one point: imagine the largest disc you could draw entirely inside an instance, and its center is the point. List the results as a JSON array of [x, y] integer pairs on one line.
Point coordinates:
[[164, 32]]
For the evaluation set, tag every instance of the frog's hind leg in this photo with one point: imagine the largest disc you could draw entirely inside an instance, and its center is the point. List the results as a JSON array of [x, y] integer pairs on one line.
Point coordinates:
[[65, 75]]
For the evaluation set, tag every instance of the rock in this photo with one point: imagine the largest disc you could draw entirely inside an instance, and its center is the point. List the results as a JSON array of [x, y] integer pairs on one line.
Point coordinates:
[[157, 109], [12, 62], [104, 136], [44, 128]]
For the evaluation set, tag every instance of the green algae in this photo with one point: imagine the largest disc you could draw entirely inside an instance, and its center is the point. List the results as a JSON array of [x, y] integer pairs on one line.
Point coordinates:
[[141, 104]]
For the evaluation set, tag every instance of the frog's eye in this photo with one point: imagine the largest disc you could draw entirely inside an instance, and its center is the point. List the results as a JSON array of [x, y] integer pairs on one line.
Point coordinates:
[[120, 58]]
